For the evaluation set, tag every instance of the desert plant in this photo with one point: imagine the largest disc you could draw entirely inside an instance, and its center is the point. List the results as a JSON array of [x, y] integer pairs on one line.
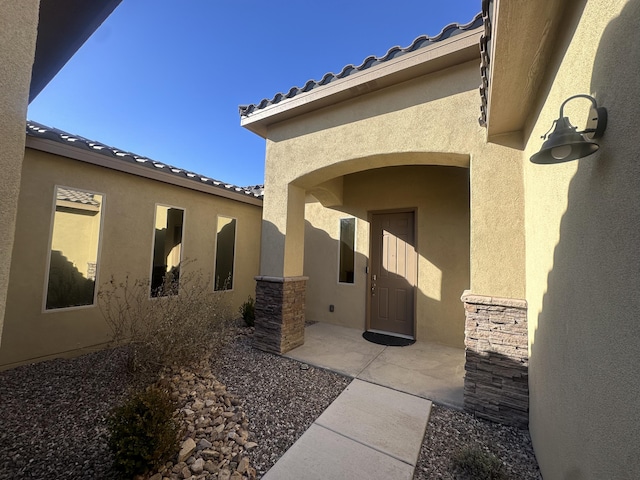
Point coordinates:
[[142, 432], [248, 312], [184, 324], [473, 463]]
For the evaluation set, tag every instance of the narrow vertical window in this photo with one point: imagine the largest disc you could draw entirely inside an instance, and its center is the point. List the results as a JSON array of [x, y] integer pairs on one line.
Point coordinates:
[[75, 239], [225, 251], [167, 251], [347, 250]]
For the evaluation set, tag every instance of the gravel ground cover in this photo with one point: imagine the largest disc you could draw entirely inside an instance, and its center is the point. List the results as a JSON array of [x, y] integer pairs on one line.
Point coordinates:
[[257, 377], [52, 415], [281, 397], [450, 431]]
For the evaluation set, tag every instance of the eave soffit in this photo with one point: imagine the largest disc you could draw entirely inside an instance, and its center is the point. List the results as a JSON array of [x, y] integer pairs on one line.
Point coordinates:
[[515, 57]]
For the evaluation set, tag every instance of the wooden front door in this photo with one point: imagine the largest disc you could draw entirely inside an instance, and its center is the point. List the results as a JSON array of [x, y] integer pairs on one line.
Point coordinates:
[[393, 273]]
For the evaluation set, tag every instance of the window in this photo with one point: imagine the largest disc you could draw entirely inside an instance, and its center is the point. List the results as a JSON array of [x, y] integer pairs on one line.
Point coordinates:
[[347, 265], [75, 240], [167, 251], [225, 251]]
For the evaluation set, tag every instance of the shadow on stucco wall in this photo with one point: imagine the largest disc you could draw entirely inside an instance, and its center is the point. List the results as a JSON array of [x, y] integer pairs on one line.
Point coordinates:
[[442, 226], [321, 266], [440, 195], [584, 352]]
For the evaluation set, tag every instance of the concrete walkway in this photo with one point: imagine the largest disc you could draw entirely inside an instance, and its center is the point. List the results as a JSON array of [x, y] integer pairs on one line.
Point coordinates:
[[375, 428], [369, 431]]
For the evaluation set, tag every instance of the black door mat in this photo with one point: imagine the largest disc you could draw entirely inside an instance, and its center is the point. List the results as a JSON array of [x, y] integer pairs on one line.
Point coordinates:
[[389, 340]]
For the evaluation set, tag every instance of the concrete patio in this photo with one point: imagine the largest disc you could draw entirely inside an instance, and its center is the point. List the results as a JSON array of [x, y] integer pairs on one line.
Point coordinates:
[[427, 370]]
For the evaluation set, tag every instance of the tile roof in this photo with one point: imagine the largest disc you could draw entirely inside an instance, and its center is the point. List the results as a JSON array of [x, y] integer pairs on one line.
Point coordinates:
[[485, 59], [76, 196], [421, 42], [38, 130]]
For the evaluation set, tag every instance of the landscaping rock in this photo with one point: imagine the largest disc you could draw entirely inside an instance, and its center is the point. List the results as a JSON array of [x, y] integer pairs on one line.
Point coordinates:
[[203, 402], [198, 466], [186, 472], [203, 444], [243, 465], [278, 403], [187, 448]]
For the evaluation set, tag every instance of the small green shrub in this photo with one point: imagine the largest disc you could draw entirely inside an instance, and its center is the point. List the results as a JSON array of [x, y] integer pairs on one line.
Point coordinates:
[[143, 433], [475, 464], [248, 312]]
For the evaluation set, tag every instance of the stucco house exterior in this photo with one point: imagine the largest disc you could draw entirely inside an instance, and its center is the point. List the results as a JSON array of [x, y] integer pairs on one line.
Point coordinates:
[[87, 213], [401, 198], [76, 213], [534, 269]]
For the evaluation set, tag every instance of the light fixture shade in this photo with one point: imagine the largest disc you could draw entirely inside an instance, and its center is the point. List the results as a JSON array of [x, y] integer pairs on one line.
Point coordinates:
[[564, 144]]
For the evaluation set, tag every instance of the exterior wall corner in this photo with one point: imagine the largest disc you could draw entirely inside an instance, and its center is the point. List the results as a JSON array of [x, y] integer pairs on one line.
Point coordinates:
[[496, 384]]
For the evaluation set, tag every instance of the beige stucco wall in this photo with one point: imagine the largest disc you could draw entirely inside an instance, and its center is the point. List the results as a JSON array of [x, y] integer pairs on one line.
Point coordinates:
[[440, 196], [126, 247], [18, 31], [583, 266], [428, 120]]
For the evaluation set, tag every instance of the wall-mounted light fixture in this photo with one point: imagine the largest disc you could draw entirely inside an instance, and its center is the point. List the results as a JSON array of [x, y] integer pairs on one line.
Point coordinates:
[[565, 143]]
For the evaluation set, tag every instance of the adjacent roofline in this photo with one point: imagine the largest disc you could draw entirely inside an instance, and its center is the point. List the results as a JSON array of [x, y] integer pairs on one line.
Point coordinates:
[[63, 27], [456, 44], [485, 60], [57, 142]]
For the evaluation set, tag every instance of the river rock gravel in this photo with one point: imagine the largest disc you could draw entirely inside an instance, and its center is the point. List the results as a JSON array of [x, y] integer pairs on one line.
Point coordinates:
[[281, 397], [52, 418]]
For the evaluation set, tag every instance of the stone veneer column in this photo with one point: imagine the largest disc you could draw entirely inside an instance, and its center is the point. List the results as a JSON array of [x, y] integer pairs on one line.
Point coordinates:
[[280, 303], [496, 383]]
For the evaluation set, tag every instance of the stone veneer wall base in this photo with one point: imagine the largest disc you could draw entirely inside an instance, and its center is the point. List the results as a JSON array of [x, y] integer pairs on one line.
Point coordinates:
[[496, 383], [280, 304]]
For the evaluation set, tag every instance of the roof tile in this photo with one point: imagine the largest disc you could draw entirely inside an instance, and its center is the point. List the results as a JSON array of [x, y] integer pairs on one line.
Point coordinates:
[[394, 52], [39, 130]]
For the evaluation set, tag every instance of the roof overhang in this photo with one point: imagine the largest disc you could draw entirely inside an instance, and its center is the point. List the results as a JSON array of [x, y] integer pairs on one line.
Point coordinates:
[[522, 41], [101, 160], [453, 51], [63, 27]]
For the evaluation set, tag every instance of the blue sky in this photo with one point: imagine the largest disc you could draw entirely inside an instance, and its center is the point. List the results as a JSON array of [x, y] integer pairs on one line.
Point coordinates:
[[164, 78]]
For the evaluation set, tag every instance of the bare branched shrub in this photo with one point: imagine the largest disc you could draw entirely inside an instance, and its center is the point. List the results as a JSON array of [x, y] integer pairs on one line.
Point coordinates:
[[170, 329]]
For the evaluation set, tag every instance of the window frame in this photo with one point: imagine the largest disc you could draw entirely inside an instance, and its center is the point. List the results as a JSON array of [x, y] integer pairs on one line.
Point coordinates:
[[355, 238], [45, 290], [235, 252], [153, 245]]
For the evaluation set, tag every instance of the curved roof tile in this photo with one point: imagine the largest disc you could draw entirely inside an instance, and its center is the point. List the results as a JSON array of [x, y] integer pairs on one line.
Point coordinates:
[[394, 52], [76, 196], [39, 130]]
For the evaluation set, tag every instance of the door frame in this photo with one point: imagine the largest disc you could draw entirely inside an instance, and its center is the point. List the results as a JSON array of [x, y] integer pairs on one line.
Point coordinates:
[[370, 214]]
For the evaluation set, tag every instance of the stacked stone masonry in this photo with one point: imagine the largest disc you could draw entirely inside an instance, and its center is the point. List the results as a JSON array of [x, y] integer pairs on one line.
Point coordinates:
[[280, 304], [496, 385]]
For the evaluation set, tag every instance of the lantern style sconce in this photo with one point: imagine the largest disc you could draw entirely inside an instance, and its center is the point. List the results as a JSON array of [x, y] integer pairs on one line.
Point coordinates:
[[565, 143]]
